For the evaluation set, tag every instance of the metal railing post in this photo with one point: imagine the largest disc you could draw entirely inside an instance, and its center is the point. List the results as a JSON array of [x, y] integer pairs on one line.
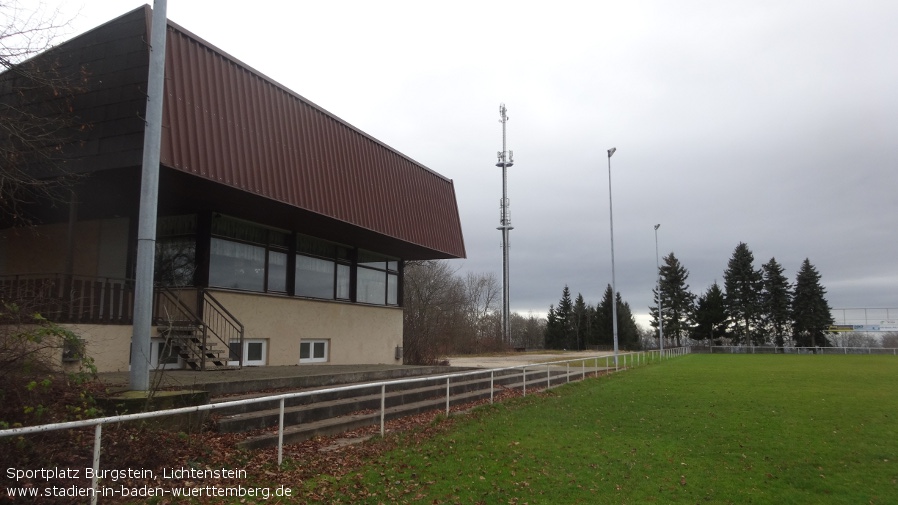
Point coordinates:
[[525, 379], [492, 387], [98, 435], [447, 396], [281, 433], [548, 377], [383, 407]]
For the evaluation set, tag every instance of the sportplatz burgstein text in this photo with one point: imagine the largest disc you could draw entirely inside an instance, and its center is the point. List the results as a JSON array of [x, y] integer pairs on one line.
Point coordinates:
[[126, 473]]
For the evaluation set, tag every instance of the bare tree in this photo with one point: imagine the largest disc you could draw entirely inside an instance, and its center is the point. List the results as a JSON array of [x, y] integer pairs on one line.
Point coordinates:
[[434, 311], [481, 299], [36, 120], [854, 339]]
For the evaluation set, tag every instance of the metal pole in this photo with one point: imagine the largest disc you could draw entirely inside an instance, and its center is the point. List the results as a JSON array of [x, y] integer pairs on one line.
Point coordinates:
[[281, 432], [98, 436], [613, 286], [383, 407], [149, 202], [658, 266], [505, 161]]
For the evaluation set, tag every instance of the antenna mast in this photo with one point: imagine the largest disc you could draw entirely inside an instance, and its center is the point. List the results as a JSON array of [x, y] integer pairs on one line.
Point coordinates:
[[505, 160]]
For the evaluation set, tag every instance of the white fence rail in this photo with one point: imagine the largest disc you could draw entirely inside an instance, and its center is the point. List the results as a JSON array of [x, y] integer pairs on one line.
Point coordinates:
[[745, 349], [625, 361]]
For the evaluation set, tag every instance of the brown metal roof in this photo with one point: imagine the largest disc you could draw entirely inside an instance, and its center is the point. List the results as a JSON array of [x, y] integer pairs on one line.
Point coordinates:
[[239, 133], [228, 123]]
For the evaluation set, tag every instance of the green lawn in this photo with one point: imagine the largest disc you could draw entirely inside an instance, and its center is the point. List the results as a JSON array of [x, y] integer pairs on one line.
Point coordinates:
[[696, 429]]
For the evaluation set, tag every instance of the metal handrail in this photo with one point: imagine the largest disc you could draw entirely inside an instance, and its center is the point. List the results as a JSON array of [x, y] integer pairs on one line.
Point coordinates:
[[232, 325]]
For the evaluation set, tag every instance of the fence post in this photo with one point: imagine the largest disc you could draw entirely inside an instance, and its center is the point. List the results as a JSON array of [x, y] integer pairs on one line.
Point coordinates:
[[583, 370], [98, 435], [548, 377], [447, 396], [569, 371], [492, 388], [525, 379], [280, 432], [383, 407]]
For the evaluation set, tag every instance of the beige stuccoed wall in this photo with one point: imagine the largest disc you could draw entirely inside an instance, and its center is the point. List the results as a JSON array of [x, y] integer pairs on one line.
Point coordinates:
[[357, 333], [109, 345]]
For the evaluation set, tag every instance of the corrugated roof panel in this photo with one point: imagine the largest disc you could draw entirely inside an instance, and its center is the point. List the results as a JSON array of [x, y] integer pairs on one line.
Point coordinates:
[[232, 125]]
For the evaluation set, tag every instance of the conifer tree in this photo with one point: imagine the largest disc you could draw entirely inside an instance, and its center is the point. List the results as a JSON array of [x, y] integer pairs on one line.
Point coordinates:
[[776, 302], [710, 316], [627, 329], [604, 324], [742, 285], [580, 322], [677, 303], [559, 328], [811, 314]]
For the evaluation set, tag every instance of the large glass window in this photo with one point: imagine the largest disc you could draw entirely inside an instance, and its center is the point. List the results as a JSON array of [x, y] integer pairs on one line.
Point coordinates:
[[322, 269], [247, 256], [378, 279], [314, 277], [277, 271], [236, 265], [175, 251]]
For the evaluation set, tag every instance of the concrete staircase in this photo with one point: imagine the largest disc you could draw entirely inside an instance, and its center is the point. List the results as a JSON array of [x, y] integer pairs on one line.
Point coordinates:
[[334, 412]]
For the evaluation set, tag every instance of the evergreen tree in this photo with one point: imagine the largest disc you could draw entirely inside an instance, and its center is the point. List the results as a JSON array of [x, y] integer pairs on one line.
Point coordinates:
[[627, 329], [677, 303], [580, 322], [743, 294], [710, 316], [552, 340], [559, 328], [776, 302], [604, 324], [811, 314]]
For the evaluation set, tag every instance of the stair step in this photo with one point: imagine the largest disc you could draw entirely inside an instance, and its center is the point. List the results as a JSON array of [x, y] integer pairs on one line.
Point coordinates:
[[338, 415], [332, 426]]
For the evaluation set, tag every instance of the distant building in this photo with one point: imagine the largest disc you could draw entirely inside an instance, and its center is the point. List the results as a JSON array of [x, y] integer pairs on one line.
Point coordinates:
[[282, 230]]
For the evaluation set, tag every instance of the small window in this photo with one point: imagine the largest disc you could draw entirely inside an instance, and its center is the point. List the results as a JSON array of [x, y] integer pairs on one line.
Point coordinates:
[[254, 352], [313, 351], [164, 355], [72, 350]]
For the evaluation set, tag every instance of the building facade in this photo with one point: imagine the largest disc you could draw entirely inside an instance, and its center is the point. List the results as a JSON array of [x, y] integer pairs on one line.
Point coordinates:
[[282, 230]]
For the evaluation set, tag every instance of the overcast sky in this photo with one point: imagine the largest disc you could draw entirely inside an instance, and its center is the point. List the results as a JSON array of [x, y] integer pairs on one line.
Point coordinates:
[[773, 123]]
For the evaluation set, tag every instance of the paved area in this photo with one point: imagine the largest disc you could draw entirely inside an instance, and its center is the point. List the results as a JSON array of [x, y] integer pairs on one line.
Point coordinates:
[[220, 382], [269, 377], [522, 358]]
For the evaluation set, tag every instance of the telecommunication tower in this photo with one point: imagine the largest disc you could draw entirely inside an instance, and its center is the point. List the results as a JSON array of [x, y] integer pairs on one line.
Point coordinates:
[[505, 160]]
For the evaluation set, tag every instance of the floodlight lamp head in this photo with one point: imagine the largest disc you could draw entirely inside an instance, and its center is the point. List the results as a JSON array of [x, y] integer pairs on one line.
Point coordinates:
[[657, 226], [611, 151]]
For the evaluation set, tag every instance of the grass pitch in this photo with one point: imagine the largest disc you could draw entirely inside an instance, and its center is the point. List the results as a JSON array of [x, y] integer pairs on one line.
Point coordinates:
[[738, 429]]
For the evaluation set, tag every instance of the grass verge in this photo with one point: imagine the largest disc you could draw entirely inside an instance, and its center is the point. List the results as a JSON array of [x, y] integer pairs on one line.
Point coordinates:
[[697, 429]]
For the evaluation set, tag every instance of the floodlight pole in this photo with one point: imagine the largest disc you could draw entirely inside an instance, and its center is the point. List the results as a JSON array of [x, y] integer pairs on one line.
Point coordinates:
[[149, 203], [613, 286], [660, 319]]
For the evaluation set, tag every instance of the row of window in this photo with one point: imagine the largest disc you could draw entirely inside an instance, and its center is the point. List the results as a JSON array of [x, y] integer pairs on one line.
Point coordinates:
[[255, 353], [247, 257]]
